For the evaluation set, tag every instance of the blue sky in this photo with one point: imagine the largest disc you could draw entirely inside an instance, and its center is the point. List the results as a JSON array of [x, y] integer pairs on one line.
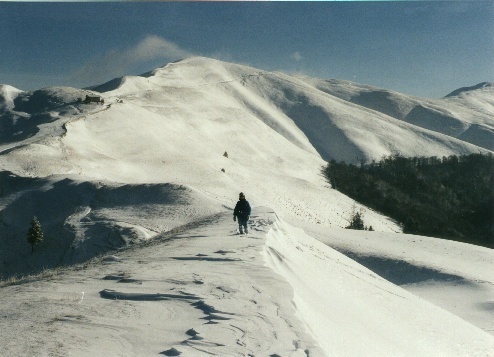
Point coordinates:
[[426, 49]]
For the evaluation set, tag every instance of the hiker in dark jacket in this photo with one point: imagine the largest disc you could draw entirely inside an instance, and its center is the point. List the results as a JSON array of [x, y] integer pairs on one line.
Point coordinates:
[[242, 212]]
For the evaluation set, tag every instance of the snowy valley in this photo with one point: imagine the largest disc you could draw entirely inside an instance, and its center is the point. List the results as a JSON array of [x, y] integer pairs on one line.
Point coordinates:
[[141, 256]]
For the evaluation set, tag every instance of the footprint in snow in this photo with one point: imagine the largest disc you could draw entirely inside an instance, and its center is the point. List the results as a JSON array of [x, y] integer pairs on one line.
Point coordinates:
[[171, 352], [223, 252]]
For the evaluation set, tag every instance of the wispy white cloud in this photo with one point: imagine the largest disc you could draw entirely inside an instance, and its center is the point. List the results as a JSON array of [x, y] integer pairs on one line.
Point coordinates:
[[296, 56], [116, 63]]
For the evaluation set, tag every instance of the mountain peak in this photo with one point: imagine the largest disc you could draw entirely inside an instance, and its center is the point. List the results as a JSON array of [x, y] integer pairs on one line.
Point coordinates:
[[462, 90], [191, 70]]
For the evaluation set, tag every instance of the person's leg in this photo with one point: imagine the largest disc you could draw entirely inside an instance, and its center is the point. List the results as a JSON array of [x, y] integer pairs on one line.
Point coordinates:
[[240, 230]]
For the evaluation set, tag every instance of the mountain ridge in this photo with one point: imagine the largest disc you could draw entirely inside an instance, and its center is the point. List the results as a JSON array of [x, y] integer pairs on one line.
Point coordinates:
[[459, 91], [474, 123]]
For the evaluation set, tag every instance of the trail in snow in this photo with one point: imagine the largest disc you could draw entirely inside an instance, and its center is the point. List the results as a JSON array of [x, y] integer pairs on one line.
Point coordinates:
[[204, 289]]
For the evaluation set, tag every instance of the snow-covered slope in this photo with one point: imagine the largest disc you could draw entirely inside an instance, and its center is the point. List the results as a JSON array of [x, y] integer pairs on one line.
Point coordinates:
[[26, 117], [174, 125], [206, 291], [354, 312], [466, 113], [335, 128], [159, 167], [394, 104], [330, 117], [82, 219]]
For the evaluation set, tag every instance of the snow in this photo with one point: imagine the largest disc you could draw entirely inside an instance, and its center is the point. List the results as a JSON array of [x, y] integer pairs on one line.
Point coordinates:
[[452, 275], [350, 303], [466, 113], [207, 290], [138, 195], [7, 96]]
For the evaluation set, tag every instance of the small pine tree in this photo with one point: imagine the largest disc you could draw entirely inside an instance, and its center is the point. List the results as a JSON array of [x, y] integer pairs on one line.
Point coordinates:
[[356, 221], [34, 235]]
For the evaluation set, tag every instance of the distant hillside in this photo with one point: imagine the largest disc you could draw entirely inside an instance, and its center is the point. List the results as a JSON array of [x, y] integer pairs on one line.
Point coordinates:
[[466, 113], [23, 114], [450, 197]]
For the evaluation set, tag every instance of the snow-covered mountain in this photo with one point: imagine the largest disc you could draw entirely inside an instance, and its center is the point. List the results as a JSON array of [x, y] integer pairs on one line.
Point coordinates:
[[466, 113], [158, 167], [321, 111]]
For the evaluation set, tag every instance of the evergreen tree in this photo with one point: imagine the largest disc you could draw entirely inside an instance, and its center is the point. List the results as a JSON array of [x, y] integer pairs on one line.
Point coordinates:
[[356, 221], [34, 235]]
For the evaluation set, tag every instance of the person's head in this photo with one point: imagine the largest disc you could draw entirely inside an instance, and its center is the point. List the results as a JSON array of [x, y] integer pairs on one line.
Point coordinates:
[[241, 196]]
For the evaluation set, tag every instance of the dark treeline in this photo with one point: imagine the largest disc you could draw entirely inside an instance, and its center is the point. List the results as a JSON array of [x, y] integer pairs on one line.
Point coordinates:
[[450, 198]]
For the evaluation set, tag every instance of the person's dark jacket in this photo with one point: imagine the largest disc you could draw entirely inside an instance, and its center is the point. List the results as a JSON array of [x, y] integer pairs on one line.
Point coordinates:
[[242, 209]]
